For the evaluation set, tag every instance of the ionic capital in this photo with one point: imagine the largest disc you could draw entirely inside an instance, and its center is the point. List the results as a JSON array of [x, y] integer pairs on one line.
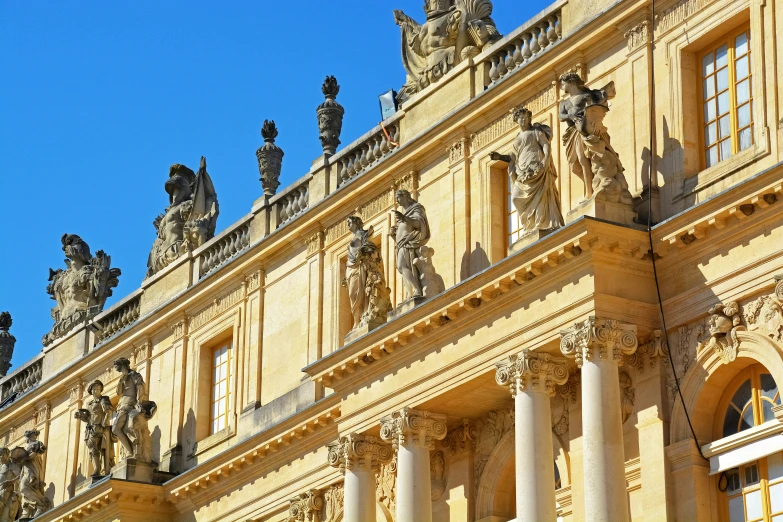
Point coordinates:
[[531, 371], [409, 426], [306, 507], [356, 451], [599, 338]]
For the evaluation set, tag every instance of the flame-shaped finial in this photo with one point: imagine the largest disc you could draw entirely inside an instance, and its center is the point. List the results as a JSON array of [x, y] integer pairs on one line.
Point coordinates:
[[269, 131]]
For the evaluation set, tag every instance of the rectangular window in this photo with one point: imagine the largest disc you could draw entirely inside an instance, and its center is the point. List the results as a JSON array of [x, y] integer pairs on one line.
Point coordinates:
[[221, 387], [727, 97]]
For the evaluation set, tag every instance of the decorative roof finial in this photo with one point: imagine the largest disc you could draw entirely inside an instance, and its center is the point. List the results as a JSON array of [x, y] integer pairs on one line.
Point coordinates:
[[7, 342], [270, 159], [330, 116]]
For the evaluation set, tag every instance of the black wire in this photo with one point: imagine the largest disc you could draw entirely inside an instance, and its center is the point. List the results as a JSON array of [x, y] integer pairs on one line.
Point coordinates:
[[649, 225]]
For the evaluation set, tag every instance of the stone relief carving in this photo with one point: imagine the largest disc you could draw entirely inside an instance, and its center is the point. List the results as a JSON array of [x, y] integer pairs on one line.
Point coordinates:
[[461, 438], [385, 484], [533, 176], [439, 474], [364, 278], [330, 116], [80, 290], [627, 394], [637, 35], [307, 507], [334, 498], [723, 324], [97, 415], [190, 219], [454, 31], [765, 314], [586, 140], [651, 350], [683, 355], [565, 395], [7, 342], [31, 483], [270, 159], [10, 498], [134, 409], [490, 429]]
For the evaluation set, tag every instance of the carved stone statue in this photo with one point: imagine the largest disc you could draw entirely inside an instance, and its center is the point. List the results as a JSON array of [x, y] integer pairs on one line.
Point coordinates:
[[454, 31], [533, 176], [7, 342], [97, 431], [10, 498], [586, 140], [133, 411], [31, 484], [330, 116], [724, 322], [411, 232], [270, 159], [82, 288], [190, 219], [364, 278]]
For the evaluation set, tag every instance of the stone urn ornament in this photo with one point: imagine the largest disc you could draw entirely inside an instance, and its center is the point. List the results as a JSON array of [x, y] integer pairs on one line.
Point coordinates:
[[330, 116], [270, 159], [7, 342]]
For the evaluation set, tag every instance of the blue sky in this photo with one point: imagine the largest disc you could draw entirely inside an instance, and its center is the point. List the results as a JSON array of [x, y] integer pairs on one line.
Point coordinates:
[[98, 99]]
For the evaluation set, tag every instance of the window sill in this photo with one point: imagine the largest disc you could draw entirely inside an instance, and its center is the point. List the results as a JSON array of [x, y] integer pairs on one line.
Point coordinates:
[[694, 184], [213, 440]]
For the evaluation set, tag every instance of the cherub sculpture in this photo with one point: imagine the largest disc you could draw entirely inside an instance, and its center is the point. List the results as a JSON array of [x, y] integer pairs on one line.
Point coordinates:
[[189, 220], [454, 31], [82, 288]]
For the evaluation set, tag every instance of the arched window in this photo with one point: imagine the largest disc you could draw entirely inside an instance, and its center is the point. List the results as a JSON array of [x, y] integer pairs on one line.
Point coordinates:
[[748, 401]]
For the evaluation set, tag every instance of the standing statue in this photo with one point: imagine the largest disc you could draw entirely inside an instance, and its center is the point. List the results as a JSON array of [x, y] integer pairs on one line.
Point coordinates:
[[97, 432], [533, 176], [190, 219], [133, 411], [364, 278], [31, 484], [454, 31], [82, 288], [10, 499], [586, 140], [410, 232]]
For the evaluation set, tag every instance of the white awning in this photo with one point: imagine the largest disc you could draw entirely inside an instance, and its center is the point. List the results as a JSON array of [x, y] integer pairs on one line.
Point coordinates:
[[748, 453]]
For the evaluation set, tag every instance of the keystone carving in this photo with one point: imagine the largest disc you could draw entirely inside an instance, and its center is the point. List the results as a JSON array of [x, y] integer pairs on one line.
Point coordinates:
[[330, 116], [409, 426], [602, 338], [359, 451], [723, 324], [531, 371]]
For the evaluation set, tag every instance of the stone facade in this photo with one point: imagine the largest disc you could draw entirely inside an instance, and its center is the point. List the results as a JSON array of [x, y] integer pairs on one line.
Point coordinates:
[[536, 383]]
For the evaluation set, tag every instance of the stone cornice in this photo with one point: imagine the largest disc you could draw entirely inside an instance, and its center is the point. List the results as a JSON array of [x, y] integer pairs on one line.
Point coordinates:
[[597, 338], [413, 426], [531, 371], [354, 451]]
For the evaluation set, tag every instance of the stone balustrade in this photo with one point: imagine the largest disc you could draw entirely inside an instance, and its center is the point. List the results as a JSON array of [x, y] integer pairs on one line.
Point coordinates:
[[119, 317], [522, 45], [23, 379], [366, 151], [223, 247], [292, 203]]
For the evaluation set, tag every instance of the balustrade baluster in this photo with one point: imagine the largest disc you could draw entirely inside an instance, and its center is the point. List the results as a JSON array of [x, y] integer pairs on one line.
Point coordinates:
[[543, 41], [502, 70], [551, 33], [534, 46], [526, 52], [494, 75], [518, 58]]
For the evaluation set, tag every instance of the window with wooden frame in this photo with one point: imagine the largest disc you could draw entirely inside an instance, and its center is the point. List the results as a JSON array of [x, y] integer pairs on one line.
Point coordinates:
[[221, 387], [727, 96]]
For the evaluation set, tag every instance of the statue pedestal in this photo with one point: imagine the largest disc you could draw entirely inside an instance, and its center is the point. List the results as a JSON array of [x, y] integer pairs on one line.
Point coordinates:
[[605, 210], [406, 306], [360, 331], [529, 239], [90, 482], [132, 469]]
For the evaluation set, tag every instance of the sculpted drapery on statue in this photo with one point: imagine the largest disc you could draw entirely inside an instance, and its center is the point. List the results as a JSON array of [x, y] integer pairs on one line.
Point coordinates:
[[411, 232], [454, 31], [190, 219], [32, 484], [364, 278], [82, 288], [133, 411], [587, 143], [10, 498], [97, 415], [533, 176]]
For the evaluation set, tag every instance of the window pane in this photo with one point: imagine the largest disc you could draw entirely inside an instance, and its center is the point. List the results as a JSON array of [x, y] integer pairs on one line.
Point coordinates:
[[723, 103], [742, 44], [709, 111], [712, 159], [722, 56], [733, 484], [769, 388], [725, 126], [708, 65], [742, 67], [743, 116], [711, 134], [776, 497], [725, 152], [736, 510], [723, 79], [775, 464], [778, 518], [709, 87], [766, 410], [743, 91], [753, 504], [751, 475]]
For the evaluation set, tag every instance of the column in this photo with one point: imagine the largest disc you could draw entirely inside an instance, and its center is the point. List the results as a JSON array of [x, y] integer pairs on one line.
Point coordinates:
[[532, 378], [357, 457], [413, 433], [598, 345]]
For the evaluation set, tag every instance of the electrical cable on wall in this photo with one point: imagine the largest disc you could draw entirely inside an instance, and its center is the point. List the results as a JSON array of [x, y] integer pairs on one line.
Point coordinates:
[[651, 168]]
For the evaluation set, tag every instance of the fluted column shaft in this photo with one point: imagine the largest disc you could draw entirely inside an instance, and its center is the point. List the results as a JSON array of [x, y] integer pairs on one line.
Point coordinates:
[[532, 378], [598, 345], [358, 457], [413, 433]]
